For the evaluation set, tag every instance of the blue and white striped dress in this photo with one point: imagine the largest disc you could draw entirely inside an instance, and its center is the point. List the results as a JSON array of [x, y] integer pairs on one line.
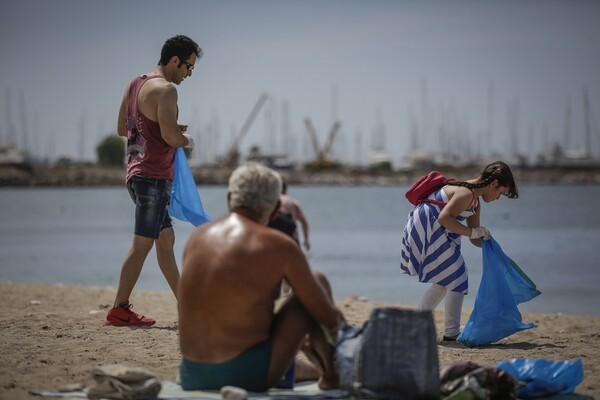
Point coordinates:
[[431, 251]]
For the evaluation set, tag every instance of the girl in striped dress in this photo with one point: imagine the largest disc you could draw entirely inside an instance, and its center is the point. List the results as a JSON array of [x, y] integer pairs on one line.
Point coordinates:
[[431, 239]]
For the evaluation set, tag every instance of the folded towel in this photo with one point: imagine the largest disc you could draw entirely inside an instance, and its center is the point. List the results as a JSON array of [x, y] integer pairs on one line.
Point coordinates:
[[123, 383]]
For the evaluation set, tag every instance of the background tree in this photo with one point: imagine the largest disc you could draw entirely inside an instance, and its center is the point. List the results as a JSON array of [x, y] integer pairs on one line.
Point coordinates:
[[111, 151]]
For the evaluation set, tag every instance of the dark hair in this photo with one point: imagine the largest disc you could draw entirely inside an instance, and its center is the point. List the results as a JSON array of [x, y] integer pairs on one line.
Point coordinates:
[[495, 171], [180, 46]]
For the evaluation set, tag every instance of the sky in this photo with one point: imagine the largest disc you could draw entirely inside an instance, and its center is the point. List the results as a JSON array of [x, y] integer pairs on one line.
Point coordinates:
[[465, 78]]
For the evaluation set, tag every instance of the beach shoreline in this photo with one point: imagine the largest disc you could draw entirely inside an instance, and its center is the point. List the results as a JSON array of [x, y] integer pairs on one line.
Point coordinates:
[[53, 335], [90, 175]]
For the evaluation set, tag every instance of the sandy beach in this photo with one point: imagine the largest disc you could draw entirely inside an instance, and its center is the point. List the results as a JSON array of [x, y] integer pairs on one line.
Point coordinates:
[[53, 335]]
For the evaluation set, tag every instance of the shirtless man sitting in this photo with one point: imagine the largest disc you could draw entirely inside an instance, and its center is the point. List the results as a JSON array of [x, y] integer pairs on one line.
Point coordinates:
[[230, 331]]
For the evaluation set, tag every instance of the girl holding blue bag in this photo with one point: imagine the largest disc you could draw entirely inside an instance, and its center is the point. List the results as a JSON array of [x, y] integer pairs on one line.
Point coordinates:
[[431, 242]]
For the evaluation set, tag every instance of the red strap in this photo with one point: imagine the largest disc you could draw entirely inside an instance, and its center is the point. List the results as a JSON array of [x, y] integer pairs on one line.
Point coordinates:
[[473, 199], [442, 204], [436, 202]]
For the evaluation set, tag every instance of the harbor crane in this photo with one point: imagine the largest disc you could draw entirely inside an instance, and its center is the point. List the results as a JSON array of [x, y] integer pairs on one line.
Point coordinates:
[[232, 157], [322, 154]]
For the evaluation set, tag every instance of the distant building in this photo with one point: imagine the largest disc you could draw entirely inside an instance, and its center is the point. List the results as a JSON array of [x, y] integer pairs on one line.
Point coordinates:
[[9, 154], [556, 156]]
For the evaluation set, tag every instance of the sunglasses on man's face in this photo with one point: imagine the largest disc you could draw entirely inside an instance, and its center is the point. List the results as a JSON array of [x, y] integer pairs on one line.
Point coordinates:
[[189, 66]]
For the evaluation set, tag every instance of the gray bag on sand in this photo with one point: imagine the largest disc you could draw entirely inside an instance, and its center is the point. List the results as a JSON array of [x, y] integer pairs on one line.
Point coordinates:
[[349, 338], [126, 383], [395, 358]]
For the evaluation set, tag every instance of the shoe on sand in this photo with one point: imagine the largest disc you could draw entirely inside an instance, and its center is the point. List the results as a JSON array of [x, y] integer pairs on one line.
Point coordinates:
[[123, 316]]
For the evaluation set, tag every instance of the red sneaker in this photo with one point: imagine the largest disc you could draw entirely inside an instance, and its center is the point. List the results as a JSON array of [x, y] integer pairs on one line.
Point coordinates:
[[123, 316]]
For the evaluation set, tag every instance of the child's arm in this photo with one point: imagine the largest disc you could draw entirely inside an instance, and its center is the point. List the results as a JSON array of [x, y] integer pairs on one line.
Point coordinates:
[[473, 222], [460, 199]]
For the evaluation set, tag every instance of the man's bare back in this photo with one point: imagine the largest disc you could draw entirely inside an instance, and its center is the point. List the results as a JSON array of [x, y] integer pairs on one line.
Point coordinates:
[[236, 318], [231, 276], [251, 269]]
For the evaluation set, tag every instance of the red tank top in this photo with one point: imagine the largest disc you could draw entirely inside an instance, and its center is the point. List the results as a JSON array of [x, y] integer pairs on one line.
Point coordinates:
[[147, 153]]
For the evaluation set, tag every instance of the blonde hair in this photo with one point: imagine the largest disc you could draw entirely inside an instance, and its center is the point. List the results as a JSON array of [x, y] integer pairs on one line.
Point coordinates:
[[254, 187]]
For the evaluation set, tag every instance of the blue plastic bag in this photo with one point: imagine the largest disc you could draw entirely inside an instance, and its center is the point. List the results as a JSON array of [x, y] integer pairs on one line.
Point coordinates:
[[503, 286], [544, 377], [185, 200]]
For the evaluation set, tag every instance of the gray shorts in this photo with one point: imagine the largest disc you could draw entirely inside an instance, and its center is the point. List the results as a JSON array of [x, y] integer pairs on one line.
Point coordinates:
[[151, 197]]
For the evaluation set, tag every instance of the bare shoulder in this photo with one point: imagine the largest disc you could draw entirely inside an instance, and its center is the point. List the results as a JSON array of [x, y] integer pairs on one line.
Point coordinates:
[[457, 191], [198, 236], [270, 244], [284, 251], [154, 93], [459, 198], [161, 87], [278, 239], [207, 230], [239, 233]]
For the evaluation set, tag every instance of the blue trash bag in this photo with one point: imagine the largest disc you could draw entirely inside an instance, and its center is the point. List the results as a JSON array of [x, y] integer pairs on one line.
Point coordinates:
[[540, 377], [185, 200], [503, 286]]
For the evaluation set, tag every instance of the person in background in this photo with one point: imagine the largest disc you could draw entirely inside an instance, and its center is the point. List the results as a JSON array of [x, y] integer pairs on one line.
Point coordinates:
[[432, 236], [230, 330], [148, 118], [286, 221], [288, 216]]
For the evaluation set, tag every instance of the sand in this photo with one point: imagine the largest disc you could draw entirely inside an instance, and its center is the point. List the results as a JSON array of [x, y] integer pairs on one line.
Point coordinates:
[[52, 335]]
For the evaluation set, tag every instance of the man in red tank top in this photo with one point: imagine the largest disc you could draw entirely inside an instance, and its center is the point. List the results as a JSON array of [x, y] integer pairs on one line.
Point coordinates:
[[148, 118]]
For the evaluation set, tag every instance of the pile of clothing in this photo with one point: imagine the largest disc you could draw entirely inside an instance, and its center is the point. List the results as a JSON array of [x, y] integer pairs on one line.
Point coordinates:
[[519, 378], [123, 383]]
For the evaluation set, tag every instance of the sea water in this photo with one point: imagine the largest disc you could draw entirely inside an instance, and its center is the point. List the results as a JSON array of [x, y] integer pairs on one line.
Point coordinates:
[[81, 235]]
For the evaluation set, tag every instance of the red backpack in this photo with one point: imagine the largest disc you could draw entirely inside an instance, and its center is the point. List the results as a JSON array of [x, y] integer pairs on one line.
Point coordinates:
[[424, 186]]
